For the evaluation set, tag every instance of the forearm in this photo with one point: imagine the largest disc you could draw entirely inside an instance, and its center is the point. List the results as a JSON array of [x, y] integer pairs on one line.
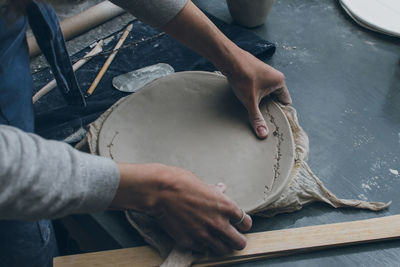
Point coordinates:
[[141, 187], [156, 13], [182, 20], [49, 179], [193, 28]]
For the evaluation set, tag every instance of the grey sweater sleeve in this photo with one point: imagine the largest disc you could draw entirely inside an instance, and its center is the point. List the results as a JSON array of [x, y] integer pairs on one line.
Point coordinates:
[[156, 13], [49, 179]]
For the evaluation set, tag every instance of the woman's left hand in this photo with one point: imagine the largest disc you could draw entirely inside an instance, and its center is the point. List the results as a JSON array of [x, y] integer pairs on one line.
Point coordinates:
[[252, 80]]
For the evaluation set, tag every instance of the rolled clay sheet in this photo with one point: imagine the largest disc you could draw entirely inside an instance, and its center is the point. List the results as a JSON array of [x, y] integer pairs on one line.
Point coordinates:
[[303, 187], [194, 121]]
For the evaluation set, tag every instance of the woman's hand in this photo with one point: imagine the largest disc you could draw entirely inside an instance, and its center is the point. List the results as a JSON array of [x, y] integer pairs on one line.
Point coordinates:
[[198, 216], [252, 80]]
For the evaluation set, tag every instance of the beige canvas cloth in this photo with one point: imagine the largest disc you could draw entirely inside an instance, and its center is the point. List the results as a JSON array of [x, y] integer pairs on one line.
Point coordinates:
[[304, 188]]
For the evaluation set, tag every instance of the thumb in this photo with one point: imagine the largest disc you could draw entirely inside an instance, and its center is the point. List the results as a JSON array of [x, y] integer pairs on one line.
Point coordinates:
[[257, 122]]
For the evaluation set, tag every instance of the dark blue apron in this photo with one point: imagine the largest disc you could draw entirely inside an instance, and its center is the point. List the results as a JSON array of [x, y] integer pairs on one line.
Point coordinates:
[[24, 243]]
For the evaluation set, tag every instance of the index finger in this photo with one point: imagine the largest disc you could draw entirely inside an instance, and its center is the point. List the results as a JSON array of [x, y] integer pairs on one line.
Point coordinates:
[[283, 95]]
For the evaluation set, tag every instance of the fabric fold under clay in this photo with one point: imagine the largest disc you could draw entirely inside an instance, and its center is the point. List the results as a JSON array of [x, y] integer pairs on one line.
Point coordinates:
[[304, 188]]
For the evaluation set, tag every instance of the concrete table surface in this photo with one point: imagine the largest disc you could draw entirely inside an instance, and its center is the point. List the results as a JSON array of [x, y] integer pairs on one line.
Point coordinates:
[[345, 85]]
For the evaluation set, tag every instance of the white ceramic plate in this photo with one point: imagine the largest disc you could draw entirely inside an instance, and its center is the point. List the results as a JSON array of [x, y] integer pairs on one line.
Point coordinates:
[[378, 15]]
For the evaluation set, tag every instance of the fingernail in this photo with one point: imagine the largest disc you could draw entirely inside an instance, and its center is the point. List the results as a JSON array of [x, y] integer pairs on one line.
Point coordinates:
[[221, 186], [262, 131]]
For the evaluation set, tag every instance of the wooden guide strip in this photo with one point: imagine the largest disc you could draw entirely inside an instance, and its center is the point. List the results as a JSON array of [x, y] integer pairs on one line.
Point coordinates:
[[259, 245]]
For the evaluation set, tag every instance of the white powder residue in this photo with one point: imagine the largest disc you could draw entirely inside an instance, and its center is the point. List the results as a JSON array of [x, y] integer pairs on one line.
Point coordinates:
[[371, 183], [350, 111], [366, 187], [360, 140], [378, 164], [395, 172], [362, 197], [370, 43]]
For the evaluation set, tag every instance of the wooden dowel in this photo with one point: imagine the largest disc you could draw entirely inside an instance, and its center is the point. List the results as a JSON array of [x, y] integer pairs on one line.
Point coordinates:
[[52, 84], [109, 59], [260, 245], [80, 23]]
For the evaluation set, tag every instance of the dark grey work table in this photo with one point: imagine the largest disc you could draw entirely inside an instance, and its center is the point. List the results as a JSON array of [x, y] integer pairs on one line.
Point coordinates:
[[345, 85]]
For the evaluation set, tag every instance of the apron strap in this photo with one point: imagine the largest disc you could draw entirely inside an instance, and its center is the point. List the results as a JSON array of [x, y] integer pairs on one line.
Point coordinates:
[[45, 27]]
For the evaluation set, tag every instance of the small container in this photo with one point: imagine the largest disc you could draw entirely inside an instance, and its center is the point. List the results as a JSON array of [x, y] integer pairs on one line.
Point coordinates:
[[250, 13]]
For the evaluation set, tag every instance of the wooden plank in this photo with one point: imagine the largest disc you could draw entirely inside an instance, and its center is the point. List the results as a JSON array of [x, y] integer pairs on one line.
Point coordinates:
[[137, 256], [317, 237], [259, 245]]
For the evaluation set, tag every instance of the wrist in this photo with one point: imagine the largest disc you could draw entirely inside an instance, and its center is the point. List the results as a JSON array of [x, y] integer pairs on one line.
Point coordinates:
[[226, 57], [232, 63], [140, 187]]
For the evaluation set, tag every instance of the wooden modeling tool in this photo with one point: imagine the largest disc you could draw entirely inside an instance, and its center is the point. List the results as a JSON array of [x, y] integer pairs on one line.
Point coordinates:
[[262, 245], [51, 85], [109, 59]]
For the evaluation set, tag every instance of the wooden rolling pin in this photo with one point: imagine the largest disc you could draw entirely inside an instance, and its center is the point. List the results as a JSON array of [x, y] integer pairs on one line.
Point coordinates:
[[80, 23], [262, 245]]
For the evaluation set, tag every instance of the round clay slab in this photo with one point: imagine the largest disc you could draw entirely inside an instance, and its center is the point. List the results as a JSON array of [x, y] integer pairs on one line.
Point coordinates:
[[194, 121]]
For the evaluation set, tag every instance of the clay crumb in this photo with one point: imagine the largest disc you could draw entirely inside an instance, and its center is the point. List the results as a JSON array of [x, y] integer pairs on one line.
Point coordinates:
[[395, 172], [366, 187]]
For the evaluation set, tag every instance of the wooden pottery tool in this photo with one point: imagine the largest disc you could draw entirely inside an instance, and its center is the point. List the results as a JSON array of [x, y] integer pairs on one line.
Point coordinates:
[[132, 81], [110, 59]]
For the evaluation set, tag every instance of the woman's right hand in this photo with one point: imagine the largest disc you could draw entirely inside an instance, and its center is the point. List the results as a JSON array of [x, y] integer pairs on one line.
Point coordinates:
[[197, 215]]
